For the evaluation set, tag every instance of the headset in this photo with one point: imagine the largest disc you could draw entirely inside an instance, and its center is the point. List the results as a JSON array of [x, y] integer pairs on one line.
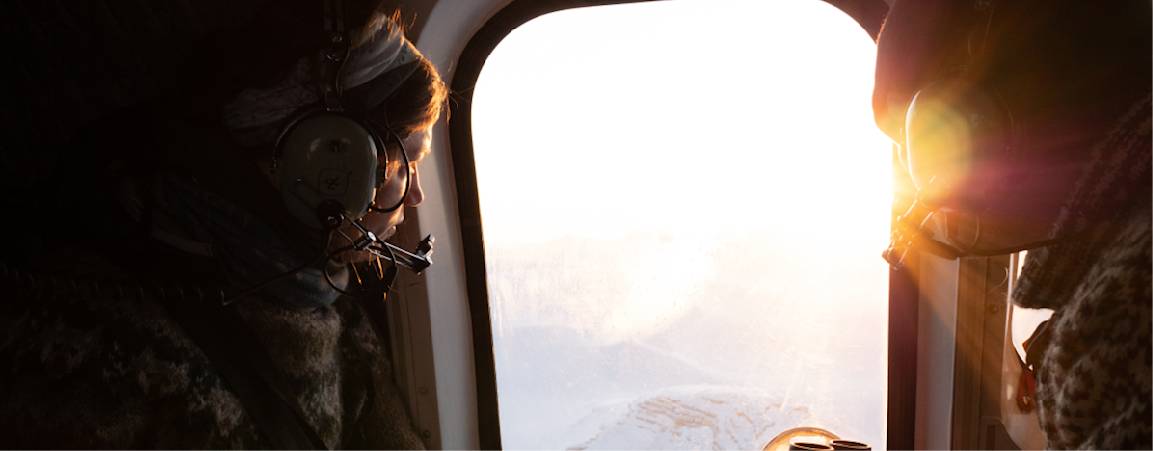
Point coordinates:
[[958, 139], [328, 163]]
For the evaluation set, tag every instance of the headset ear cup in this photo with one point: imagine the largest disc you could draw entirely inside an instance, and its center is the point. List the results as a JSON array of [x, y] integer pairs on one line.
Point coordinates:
[[957, 140], [326, 158]]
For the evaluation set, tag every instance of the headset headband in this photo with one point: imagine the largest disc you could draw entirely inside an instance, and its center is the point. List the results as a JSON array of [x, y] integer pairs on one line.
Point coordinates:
[[334, 56]]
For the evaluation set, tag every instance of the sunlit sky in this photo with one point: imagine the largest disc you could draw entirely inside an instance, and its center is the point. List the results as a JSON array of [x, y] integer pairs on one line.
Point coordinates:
[[696, 121], [679, 113]]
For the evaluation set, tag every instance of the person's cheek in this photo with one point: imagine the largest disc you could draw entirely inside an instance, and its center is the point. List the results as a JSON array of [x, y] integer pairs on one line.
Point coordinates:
[[377, 223]]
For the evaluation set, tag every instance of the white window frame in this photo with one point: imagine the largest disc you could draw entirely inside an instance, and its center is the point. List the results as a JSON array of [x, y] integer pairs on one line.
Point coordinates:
[[430, 318], [962, 322]]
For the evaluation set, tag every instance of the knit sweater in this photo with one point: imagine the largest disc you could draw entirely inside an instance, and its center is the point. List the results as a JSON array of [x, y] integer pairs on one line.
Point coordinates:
[[1094, 379]]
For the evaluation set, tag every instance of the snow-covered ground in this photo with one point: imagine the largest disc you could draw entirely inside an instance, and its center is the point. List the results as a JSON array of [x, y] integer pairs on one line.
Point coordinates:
[[700, 417], [560, 389]]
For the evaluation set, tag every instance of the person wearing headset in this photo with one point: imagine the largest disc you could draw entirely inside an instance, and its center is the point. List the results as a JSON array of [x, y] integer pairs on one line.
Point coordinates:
[[1026, 126], [198, 308]]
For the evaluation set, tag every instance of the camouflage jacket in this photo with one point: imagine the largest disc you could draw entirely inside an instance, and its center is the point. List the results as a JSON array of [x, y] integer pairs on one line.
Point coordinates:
[[90, 363]]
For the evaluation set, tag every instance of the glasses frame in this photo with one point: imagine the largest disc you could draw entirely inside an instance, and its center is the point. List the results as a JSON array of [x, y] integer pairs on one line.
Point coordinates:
[[407, 167]]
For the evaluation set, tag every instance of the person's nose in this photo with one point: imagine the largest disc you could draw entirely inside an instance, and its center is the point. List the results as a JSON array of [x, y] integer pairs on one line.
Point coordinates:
[[415, 193]]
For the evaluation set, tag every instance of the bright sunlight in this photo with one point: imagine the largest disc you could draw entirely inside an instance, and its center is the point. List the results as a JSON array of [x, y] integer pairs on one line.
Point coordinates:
[[684, 204]]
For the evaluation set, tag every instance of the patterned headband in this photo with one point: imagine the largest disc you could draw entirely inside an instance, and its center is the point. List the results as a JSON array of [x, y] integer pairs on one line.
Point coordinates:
[[255, 115]]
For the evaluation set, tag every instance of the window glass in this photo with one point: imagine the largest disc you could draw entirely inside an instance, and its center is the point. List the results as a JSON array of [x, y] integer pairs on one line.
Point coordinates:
[[684, 204]]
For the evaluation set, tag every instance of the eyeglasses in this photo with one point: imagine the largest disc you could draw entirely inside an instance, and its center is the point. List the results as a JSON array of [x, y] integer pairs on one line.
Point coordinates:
[[395, 179]]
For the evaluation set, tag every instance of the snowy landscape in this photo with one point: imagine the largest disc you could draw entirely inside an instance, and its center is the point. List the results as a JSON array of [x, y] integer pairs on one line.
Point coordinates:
[[719, 365]]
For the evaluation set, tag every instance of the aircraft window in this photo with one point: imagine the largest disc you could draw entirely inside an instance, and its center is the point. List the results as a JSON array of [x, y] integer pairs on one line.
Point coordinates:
[[684, 205]]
